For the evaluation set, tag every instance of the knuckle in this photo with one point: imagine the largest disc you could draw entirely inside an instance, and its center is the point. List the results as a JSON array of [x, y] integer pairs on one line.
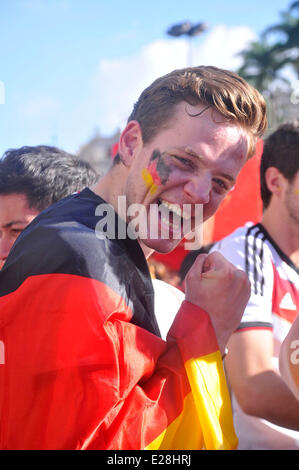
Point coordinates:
[[215, 256], [241, 275], [198, 261]]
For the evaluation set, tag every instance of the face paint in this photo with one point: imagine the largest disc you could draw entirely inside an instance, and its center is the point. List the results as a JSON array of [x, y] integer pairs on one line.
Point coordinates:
[[156, 173], [149, 180], [162, 170]]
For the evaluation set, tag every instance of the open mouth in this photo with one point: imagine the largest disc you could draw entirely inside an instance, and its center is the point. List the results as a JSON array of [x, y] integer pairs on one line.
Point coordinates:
[[174, 218]]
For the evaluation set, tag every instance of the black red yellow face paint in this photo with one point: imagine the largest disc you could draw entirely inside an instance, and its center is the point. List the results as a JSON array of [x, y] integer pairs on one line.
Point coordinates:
[[157, 172]]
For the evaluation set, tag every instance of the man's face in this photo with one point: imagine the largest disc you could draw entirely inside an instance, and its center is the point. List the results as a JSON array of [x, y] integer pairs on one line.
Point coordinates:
[[15, 215], [193, 161], [292, 199]]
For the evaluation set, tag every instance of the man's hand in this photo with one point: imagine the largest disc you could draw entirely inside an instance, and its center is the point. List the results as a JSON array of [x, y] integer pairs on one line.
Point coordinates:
[[222, 290]]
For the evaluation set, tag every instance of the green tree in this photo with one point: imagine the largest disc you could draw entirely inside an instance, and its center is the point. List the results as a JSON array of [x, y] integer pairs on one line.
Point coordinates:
[[287, 48], [294, 5], [262, 65]]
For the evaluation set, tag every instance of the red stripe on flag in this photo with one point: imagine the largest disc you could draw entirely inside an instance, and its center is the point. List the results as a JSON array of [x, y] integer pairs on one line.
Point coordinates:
[[193, 323], [78, 374]]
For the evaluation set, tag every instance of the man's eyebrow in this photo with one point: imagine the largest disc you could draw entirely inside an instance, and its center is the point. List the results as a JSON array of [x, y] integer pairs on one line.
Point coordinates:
[[228, 177], [14, 222], [192, 153]]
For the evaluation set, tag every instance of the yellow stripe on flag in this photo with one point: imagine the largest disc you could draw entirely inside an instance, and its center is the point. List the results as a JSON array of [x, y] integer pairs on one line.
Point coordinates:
[[206, 420], [183, 433], [210, 393]]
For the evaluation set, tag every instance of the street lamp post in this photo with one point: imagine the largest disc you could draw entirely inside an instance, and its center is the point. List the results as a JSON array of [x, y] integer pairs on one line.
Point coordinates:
[[188, 29]]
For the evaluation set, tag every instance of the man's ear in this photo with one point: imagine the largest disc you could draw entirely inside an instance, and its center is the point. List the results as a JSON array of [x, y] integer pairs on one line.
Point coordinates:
[[130, 142], [275, 180]]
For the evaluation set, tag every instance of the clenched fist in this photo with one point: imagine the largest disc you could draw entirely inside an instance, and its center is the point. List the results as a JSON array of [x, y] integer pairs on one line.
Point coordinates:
[[222, 290]]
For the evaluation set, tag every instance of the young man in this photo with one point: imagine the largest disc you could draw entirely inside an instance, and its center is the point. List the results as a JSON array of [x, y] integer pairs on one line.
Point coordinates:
[[266, 414], [83, 364], [31, 179]]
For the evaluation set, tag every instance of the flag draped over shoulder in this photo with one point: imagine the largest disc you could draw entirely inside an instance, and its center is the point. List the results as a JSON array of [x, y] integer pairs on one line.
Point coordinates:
[[205, 421], [83, 366]]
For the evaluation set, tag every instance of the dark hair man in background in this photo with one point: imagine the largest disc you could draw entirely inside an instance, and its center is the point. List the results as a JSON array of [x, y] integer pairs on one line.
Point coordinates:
[[266, 414], [83, 364], [31, 179]]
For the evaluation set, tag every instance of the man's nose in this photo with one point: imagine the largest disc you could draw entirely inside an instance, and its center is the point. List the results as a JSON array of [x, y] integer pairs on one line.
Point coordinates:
[[198, 188]]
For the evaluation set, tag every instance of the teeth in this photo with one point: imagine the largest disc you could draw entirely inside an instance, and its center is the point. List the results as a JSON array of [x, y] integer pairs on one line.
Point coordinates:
[[173, 208], [176, 209], [175, 225]]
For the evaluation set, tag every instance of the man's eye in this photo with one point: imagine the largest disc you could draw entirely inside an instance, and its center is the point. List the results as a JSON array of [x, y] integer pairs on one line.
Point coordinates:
[[185, 161], [221, 184], [17, 231]]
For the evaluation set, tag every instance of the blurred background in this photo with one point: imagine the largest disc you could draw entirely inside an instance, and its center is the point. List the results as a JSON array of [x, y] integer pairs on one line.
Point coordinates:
[[71, 70]]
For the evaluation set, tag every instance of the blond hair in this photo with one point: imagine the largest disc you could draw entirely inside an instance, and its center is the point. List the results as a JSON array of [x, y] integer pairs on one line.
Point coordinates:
[[223, 90]]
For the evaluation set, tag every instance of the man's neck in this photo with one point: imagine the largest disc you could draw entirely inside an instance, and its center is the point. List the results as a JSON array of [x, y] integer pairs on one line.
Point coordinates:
[[284, 232], [109, 187], [103, 189]]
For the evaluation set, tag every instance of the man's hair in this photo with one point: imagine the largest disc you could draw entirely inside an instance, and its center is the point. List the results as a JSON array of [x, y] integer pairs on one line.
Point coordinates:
[[281, 150], [219, 89], [43, 174]]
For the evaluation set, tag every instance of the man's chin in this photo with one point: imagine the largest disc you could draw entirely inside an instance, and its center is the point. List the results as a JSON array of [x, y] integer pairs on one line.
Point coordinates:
[[160, 245]]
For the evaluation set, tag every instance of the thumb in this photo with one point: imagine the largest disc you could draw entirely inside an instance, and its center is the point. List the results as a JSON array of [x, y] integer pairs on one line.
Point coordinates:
[[214, 262], [198, 265]]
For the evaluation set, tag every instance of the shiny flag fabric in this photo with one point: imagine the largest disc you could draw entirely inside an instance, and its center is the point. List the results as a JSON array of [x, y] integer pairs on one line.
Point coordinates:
[[207, 407], [83, 364]]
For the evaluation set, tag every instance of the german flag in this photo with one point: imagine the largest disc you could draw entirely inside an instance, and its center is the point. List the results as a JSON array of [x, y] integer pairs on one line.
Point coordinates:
[[83, 365]]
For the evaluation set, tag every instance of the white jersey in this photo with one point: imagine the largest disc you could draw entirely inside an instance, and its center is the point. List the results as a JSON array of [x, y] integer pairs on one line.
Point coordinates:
[[274, 304]]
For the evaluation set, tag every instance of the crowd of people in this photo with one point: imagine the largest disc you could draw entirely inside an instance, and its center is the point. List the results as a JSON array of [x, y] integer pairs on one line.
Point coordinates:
[[101, 346]]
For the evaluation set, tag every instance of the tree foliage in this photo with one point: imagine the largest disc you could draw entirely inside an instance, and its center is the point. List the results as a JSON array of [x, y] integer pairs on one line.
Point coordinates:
[[265, 59]]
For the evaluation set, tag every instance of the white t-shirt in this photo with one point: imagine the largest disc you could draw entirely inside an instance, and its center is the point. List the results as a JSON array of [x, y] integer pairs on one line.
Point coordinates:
[[168, 300], [274, 304]]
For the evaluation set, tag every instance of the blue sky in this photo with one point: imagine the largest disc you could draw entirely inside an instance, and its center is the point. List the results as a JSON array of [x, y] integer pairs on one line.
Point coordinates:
[[69, 67]]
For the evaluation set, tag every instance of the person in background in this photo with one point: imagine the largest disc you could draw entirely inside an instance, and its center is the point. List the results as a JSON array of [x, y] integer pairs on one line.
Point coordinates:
[[31, 179], [266, 413], [163, 272]]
